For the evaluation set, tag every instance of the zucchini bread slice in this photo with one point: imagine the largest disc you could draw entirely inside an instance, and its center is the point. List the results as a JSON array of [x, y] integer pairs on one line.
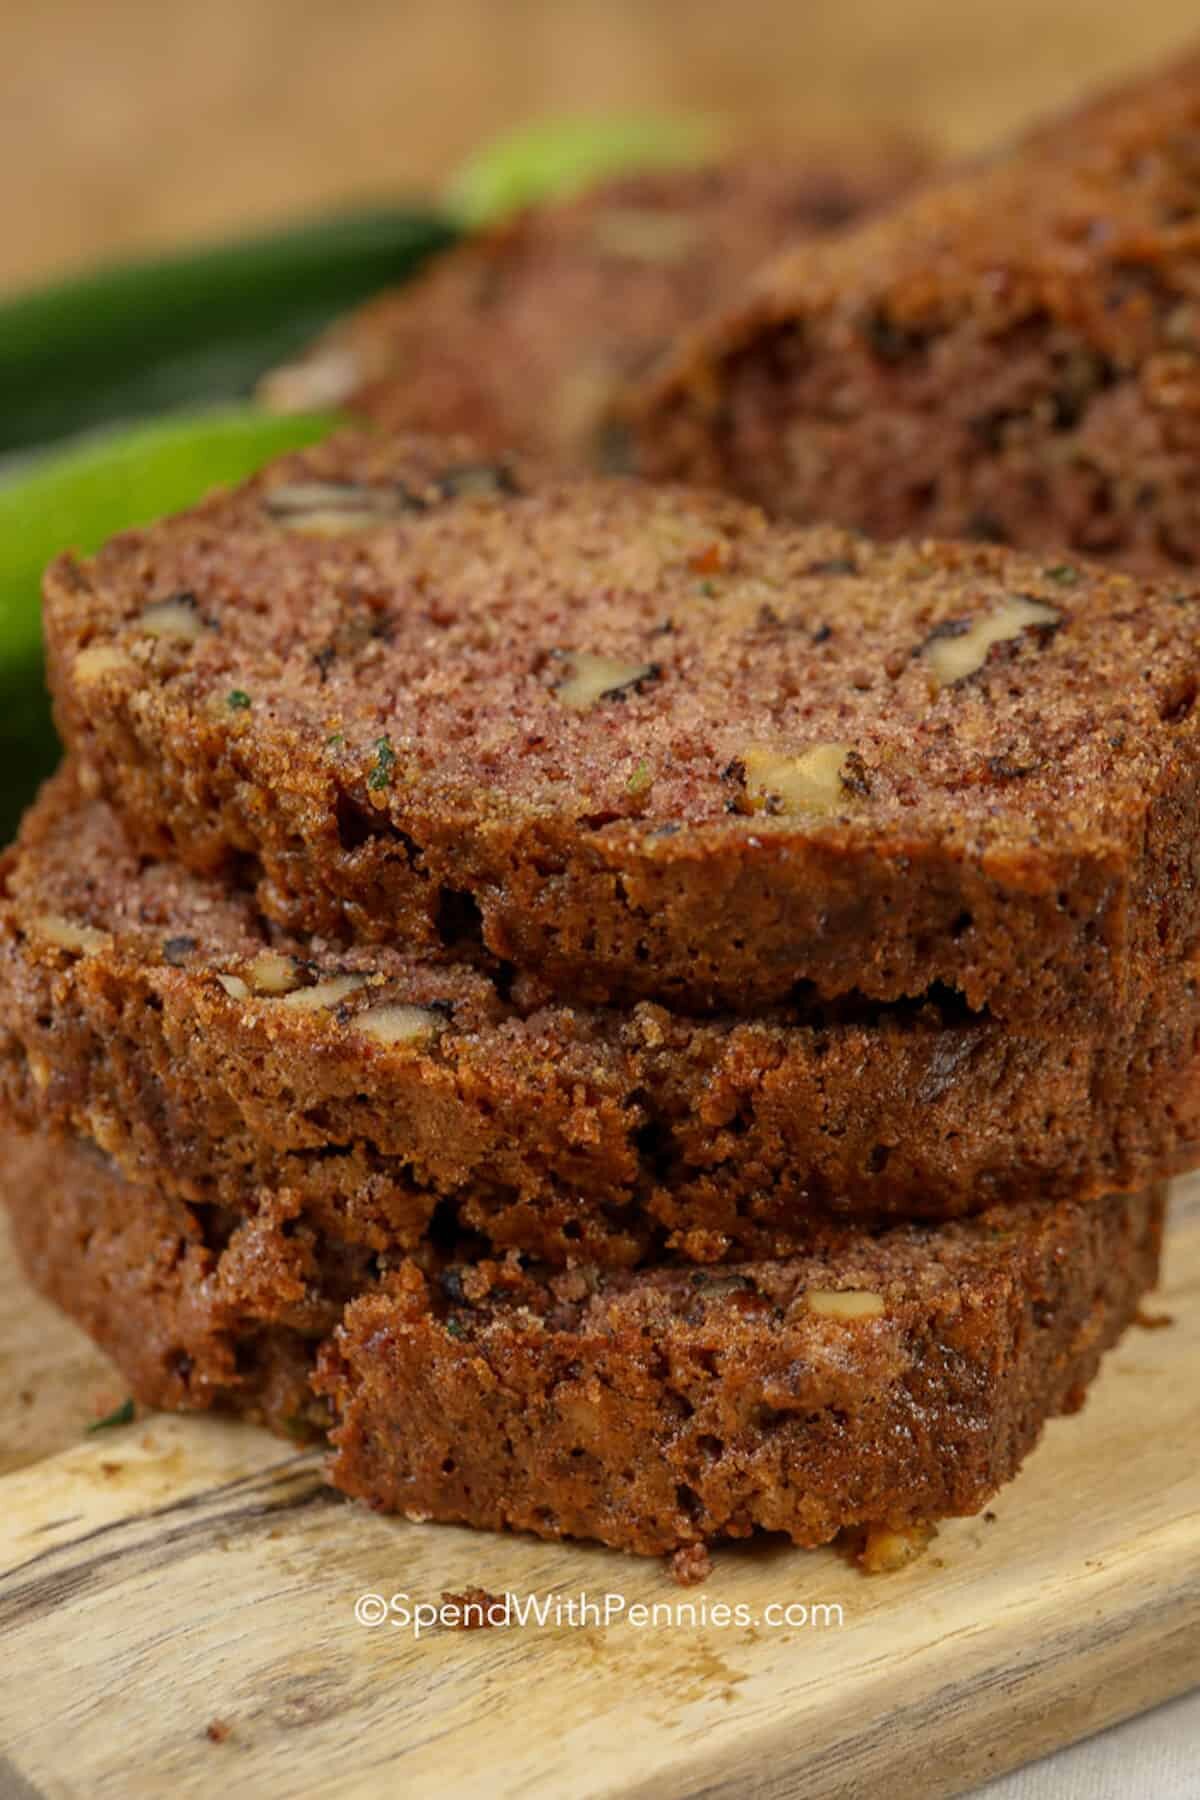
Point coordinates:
[[526, 335], [640, 743], [155, 1011], [881, 1379]]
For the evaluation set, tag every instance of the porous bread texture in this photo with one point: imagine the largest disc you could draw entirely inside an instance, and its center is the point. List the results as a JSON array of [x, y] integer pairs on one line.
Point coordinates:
[[883, 1379], [640, 743], [398, 1098]]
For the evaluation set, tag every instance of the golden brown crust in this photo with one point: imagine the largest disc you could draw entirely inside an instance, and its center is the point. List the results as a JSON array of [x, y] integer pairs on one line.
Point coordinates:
[[1013, 354], [535, 725], [569, 1133], [525, 335]]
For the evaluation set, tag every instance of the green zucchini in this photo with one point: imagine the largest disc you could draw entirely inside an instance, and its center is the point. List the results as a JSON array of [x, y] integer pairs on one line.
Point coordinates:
[[140, 338], [555, 158], [190, 329]]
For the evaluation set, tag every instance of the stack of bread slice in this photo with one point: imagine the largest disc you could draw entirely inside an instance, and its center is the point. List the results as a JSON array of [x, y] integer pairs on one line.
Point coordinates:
[[640, 1022]]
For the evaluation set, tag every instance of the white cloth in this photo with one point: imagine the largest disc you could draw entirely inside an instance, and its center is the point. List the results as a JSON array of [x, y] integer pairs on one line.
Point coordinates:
[[1153, 1757]]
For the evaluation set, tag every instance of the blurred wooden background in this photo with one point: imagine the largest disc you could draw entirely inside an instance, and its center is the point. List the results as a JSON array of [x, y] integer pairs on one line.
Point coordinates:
[[131, 123]]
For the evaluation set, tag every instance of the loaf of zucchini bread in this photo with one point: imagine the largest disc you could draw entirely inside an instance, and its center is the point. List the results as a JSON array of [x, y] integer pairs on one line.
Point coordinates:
[[1012, 354]]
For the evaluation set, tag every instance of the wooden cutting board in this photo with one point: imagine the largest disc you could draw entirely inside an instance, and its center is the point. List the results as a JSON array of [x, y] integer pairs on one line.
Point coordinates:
[[176, 1615]]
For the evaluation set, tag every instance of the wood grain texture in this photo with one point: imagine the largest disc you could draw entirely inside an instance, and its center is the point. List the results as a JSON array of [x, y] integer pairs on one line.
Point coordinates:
[[144, 122], [160, 1577]]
